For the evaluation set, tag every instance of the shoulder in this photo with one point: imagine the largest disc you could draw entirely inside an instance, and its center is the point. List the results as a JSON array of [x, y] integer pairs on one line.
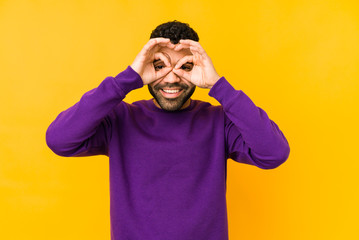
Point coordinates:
[[207, 110]]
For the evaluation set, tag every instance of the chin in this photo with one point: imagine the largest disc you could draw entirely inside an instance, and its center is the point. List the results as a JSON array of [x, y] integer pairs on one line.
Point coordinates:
[[169, 107], [174, 104]]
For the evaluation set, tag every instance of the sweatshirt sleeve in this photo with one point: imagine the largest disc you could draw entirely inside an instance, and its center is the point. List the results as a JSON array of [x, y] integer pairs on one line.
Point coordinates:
[[85, 128], [251, 137]]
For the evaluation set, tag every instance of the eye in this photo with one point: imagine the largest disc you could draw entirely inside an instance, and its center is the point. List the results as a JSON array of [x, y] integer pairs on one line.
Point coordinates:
[[159, 67], [187, 67]]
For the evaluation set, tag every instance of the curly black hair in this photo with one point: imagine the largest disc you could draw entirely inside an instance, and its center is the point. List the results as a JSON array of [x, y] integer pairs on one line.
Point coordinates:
[[175, 31]]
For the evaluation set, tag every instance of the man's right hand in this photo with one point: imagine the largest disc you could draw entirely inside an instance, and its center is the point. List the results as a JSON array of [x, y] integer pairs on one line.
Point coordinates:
[[144, 61]]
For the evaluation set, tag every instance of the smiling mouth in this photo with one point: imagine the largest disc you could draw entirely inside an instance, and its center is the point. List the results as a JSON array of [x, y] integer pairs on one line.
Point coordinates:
[[171, 93]]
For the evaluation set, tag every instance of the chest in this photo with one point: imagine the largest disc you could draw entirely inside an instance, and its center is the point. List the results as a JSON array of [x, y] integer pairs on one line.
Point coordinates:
[[173, 141]]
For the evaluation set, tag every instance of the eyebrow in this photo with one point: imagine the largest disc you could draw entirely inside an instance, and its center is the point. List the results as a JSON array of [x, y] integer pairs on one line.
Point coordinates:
[[159, 60]]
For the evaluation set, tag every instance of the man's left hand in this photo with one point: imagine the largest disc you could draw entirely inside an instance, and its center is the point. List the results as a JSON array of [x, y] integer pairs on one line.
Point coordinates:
[[203, 73]]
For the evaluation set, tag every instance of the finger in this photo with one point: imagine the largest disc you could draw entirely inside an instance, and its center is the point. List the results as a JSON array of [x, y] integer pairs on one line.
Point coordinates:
[[185, 59], [190, 42], [163, 58], [194, 44], [170, 45], [200, 58], [163, 72], [158, 40], [153, 42], [166, 44], [192, 48], [181, 46], [198, 50], [182, 74]]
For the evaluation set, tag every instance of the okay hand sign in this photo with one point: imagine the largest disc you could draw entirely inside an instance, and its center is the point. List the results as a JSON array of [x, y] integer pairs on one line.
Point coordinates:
[[143, 63], [203, 73]]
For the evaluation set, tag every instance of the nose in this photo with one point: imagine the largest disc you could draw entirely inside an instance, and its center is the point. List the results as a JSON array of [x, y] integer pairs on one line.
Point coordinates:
[[171, 77]]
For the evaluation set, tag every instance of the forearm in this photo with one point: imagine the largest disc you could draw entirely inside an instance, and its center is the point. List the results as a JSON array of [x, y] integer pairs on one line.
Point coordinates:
[[268, 146], [74, 126]]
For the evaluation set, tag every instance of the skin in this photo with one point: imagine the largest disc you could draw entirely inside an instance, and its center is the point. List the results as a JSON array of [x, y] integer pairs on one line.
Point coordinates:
[[175, 101], [164, 66]]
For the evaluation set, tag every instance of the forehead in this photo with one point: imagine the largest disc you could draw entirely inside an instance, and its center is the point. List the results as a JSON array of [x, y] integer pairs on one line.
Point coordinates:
[[173, 55]]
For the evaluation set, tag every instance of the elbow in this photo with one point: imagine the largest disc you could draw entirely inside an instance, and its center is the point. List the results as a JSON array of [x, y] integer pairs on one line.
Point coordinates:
[[277, 158], [54, 143], [277, 161]]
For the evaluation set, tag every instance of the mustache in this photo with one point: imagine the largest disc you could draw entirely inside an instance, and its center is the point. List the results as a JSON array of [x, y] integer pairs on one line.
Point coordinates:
[[171, 85]]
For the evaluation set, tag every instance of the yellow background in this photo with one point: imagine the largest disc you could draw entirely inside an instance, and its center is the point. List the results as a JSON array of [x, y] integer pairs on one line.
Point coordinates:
[[298, 60]]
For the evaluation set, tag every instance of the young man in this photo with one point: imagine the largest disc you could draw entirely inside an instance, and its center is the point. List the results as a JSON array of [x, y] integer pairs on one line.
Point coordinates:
[[168, 155]]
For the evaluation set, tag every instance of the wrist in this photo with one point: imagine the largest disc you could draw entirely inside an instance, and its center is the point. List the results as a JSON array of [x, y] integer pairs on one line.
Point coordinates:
[[135, 68], [214, 81]]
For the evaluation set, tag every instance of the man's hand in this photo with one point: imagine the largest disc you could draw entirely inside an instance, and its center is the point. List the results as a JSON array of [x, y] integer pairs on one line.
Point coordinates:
[[203, 73], [144, 61]]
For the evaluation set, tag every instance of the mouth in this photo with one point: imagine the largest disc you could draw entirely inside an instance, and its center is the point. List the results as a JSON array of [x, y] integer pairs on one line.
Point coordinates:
[[171, 92]]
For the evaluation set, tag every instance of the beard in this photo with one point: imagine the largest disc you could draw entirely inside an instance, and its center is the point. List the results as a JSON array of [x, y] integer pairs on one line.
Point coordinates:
[[171, 104]]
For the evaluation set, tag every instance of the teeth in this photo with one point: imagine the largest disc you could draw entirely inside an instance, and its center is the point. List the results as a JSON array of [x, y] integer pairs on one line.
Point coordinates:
[[171, 91]]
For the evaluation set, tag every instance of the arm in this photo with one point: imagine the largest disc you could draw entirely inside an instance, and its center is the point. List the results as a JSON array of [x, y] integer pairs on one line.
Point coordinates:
[[84, 129], [251, 136]]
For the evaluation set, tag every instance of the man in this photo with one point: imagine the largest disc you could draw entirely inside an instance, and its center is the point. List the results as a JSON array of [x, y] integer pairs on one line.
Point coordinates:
[[168, 155]]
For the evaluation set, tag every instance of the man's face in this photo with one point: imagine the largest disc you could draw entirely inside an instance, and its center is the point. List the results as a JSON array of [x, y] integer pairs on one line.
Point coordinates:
[[172, 92]]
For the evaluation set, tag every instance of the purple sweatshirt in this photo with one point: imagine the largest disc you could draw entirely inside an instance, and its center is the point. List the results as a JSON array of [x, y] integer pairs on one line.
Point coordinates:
[[167, 169]]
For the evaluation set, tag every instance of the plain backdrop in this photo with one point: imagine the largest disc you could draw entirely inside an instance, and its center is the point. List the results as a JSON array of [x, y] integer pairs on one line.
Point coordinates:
[[298, 60]]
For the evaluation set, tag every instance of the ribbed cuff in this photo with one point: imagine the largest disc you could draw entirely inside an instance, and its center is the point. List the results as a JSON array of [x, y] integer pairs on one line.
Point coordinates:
[[222, 90], [128, 80]]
